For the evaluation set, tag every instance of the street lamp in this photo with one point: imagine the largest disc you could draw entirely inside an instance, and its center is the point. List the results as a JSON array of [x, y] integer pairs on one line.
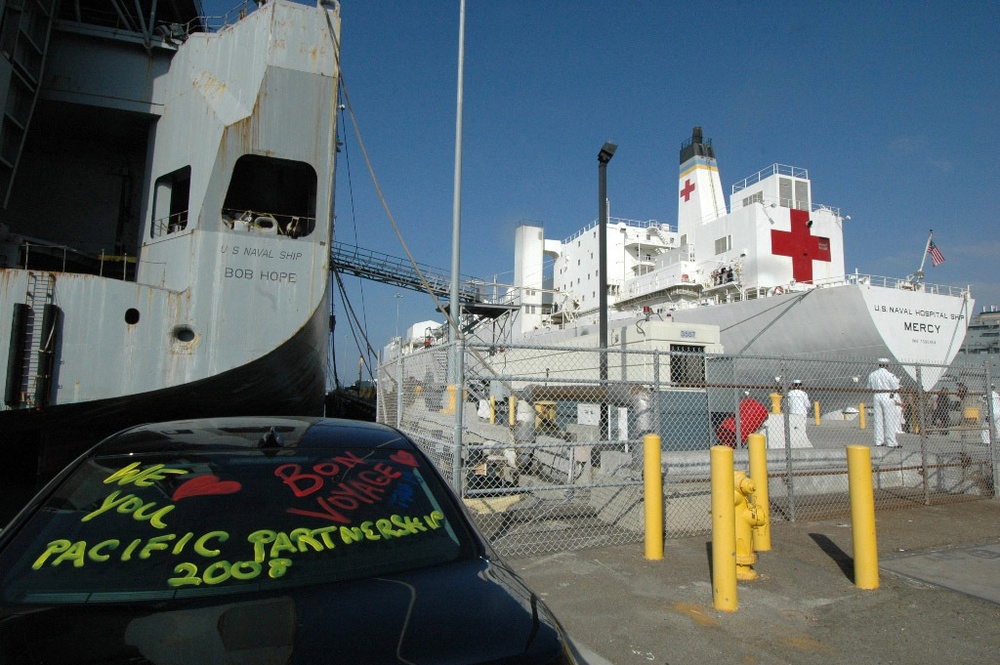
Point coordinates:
[[603, 157]]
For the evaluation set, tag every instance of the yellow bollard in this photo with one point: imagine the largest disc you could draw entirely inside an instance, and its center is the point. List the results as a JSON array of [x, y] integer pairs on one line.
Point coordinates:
[[861, 414], [776, 403], [859, 480], [816, 413], [450, 408], [493, 410], [545, 412], [652, 475], [757, 445], [723, 530], [512, 412]]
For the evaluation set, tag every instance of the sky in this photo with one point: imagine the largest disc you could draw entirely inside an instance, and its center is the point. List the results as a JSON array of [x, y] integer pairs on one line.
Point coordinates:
[[894, 108]]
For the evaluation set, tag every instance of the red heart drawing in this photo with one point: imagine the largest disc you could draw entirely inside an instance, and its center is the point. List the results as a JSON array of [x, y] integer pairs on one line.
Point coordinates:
[[203, 485], [404, 457]]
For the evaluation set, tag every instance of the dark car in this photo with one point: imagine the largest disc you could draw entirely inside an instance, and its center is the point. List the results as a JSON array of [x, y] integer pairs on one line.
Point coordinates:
[[260, 540]]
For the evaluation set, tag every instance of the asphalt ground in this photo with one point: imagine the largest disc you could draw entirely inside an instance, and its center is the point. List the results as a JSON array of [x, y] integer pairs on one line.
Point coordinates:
[[938, 598]]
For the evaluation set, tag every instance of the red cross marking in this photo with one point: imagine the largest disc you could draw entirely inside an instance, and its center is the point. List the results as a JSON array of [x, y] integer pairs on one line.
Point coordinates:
[[688, 188], [802, 247]]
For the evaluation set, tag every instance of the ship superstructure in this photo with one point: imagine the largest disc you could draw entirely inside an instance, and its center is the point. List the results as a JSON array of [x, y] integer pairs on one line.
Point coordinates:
[[768, 269]]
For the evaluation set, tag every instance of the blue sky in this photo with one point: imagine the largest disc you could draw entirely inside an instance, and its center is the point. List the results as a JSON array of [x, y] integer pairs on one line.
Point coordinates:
[[893, 108]]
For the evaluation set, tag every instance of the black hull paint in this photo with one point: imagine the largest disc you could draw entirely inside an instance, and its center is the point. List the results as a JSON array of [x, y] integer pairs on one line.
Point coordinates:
[[291, 380]]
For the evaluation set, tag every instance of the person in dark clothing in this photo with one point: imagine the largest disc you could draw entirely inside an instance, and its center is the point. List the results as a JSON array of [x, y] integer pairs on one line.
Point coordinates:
[[941, 408]]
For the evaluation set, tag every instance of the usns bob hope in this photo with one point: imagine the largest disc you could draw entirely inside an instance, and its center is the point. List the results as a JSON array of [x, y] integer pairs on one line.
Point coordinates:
[[168, 193]]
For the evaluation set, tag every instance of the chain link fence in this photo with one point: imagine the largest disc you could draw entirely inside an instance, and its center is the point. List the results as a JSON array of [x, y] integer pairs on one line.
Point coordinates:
[[551, 439]]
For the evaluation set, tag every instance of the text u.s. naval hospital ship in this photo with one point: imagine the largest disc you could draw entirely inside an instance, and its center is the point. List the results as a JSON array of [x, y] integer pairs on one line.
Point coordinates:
[[768, 270], [167, 191]]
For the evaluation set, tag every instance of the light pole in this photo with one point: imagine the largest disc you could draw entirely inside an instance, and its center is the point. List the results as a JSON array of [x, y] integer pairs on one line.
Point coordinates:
[[603, 157], [398, 297], [457, 365]]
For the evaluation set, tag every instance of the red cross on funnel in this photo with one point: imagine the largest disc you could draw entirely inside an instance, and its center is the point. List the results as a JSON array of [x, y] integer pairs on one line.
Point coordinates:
[[688, 188], [802, 247]]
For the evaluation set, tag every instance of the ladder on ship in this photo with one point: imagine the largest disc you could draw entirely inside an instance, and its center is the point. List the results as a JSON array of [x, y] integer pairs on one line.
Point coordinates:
[[32, 345], [24, 42]]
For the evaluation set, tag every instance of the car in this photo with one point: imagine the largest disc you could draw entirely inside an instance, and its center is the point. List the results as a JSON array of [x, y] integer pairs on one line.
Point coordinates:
[[261, 540]]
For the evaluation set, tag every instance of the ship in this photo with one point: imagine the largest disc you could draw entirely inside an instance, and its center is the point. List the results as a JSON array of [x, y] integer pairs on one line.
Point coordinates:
[[167, 186], [982, 344], [766, 268]]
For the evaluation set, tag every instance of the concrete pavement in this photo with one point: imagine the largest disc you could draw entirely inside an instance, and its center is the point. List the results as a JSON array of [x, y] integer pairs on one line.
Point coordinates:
[[938, 599]]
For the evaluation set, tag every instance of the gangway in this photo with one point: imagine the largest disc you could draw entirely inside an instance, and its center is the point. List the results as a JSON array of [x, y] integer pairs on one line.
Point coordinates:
[[400, 272]]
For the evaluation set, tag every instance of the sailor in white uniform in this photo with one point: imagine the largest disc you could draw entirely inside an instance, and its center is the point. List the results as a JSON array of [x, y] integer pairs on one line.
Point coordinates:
[[885, 404], [798, 411]]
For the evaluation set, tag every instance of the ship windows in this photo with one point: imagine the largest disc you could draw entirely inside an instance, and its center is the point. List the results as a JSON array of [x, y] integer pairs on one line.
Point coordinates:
[[271, 196], [753, 198], [687, 364], [785, 192], [171, 200], [723, 244], [793, 193], [801, 195], [131, 316]]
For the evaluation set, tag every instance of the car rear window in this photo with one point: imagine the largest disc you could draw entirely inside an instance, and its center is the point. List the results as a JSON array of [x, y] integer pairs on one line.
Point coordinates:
[[182, 524]]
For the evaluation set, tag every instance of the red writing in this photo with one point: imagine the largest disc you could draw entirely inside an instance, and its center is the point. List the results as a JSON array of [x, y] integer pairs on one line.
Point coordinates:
[[366, 488]]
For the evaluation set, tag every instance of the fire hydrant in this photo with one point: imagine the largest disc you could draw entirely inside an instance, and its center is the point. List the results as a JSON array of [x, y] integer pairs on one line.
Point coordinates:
[[747, 517]]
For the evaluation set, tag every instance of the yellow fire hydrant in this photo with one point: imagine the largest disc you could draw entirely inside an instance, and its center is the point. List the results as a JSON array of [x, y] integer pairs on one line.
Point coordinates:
[[747, 517]]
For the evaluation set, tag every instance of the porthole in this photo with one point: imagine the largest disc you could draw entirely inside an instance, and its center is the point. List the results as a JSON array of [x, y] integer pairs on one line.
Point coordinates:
[[183, 334], [131, 316]]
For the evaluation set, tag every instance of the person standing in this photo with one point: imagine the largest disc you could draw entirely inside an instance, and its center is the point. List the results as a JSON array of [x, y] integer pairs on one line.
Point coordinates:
[[885, 404], [942, 405], [992, 408], [798, 412]]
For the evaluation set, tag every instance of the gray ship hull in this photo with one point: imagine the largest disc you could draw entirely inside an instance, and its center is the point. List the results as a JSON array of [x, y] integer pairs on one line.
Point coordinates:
[[166, 229]]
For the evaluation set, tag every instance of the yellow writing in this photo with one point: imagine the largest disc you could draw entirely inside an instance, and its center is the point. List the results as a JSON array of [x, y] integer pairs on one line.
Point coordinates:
[[131, 504], [270, 547], [145, 478], [63, 550], [298, 540]]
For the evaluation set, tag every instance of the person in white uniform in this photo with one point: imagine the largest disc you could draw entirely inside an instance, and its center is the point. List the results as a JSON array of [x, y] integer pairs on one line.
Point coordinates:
[[885, 404], [992, 407], [798, 412]]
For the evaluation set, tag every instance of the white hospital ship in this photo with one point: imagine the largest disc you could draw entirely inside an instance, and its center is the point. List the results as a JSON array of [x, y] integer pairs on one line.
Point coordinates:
[[768, 270]]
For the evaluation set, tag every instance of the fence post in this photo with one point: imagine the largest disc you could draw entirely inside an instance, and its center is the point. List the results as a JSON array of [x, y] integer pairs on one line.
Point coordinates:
[[992, 415], [399, 388], [786, 423], [657, 413], [925, 476], [458, 353]]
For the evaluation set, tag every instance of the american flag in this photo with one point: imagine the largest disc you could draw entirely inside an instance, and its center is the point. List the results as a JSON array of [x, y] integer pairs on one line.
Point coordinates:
[[937, 258]]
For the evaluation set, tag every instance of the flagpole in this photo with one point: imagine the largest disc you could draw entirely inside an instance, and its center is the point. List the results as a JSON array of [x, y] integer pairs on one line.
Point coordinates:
[[927, 248]]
